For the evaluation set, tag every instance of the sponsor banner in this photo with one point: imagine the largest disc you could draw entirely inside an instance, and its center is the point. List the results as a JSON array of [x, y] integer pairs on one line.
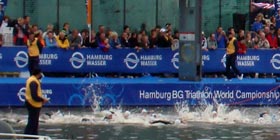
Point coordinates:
[[86, 92], [130, 61]]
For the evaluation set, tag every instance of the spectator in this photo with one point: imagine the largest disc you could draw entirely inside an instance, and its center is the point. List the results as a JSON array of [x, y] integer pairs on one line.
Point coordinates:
[[1, 12], [26, 25], [103, 44], [231, 30], [248, 40], [75, 40], [221, 37], [34, 50], [143, 32], [164, 41], [50, 40], [138, 43], [203, 42], [273, 21], [124, 40], [263, 43], [19, 37], [212, 42], [62, 41], [176, 35], [242, 49], [34, 28], [169, 35], [157, 28], [258, 25], [272, 38], [153, 38], [266, 30], [39, 36], [145, 42], [114, 41], [49, 28], [101, 29], [278, 36], [168, 27], [255, 40], [133, 40], [66, 29], [4, 24], [127, 30], [86, 42]]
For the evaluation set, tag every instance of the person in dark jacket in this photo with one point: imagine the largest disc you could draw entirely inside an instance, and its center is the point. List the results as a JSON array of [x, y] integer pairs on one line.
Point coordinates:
[[34, 101], [231, 54]]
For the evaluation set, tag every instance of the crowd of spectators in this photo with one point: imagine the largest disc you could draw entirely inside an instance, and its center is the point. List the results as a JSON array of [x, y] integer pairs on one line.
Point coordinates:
[[105, 38], [264, 34]]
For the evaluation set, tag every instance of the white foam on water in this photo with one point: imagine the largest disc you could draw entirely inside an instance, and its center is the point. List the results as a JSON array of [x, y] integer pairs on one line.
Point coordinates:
[[217, 113]]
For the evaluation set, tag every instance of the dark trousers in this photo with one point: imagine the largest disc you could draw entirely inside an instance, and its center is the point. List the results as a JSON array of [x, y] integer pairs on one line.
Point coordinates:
[[33, 63], [33, 120], [230, 63]]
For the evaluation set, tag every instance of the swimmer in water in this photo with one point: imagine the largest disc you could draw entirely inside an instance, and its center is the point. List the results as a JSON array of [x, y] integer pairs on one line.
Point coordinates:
[[109, 115], [126, 114], [263, 114]]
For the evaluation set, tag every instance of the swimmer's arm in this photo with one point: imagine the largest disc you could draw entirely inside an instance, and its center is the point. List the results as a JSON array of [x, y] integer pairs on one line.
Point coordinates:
[[161, 121]]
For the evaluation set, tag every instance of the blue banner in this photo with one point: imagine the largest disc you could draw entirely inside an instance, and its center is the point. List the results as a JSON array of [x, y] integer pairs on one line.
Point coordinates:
[[15, 59], [3, 3], [144, 91]]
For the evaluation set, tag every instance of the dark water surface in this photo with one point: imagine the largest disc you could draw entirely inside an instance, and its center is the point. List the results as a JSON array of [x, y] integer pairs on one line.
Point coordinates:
[[193, 131]]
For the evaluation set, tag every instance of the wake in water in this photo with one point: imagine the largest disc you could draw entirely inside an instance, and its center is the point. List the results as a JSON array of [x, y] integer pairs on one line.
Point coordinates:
[[181, 115]]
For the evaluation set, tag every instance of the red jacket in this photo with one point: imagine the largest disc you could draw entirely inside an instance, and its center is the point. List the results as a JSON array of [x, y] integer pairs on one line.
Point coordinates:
[[242, 48], [272, 39]]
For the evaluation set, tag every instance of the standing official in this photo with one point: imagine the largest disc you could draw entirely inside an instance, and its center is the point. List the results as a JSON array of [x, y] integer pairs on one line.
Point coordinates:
[[34, 50], [34, 101], [231, 54]]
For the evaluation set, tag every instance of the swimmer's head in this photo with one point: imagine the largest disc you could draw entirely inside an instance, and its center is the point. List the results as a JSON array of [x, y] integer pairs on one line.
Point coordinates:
[[177, 122], [126, 114], [214, 114], [144, 111], [108, 115]]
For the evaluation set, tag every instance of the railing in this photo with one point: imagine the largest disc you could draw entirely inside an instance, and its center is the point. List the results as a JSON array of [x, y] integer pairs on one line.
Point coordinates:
[[15, 59]]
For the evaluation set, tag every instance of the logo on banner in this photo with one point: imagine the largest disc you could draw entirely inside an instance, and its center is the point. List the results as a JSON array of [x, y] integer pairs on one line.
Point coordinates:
[[77, 60], [175, 60], [131, 61], [21, 94], [224, 59], [275, 61], [21, 59]]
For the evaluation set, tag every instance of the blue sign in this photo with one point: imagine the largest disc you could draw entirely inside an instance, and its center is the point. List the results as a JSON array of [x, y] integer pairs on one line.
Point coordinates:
[[15, 59], [3, 2], [144, 91]]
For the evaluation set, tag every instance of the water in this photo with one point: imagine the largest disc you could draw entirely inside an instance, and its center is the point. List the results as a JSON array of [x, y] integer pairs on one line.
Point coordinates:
[[181, 122], [200, 123]]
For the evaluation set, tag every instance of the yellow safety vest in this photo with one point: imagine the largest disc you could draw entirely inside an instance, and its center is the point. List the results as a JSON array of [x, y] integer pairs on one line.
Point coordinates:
[[231, 47], [33, 49], [28, 95]]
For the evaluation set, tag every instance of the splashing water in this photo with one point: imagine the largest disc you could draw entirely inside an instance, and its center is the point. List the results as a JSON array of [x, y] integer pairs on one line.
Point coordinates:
[[217, 113]]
